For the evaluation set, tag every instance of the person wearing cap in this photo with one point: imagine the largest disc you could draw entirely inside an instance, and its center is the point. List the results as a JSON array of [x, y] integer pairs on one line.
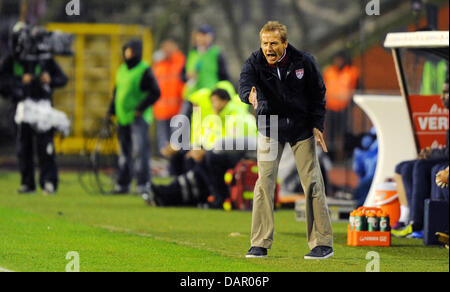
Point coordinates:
[[136, 91], [287, 90], [205, 64], [205, 67]]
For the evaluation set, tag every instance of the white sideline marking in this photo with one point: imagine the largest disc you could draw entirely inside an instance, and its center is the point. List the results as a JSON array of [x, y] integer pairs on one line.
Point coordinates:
[[2, 270]]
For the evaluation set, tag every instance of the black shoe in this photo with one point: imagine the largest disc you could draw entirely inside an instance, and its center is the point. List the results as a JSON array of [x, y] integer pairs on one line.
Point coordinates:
[[26, 190], [152, 198], [257, 252], [320, 253], [149, 198], [142, 190], [119, 190]]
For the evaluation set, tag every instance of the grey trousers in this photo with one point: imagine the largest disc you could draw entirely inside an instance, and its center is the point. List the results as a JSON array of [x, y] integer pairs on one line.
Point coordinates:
[[134, 154], [164, 131], [319, 232]]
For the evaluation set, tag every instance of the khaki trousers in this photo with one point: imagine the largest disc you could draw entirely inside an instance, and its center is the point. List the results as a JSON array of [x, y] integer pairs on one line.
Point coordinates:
[[319, 232]]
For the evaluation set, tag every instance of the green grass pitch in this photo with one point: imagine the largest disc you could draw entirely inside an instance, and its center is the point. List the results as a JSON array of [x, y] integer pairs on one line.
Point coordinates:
[[123, 234]]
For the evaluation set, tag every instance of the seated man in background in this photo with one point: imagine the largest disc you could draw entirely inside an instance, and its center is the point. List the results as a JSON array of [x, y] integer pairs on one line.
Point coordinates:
[[417, 185], [201, 100], [231, 126]]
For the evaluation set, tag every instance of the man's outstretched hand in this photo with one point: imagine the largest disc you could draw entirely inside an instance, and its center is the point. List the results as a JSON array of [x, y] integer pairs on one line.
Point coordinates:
[[253, 98], [320, 140]]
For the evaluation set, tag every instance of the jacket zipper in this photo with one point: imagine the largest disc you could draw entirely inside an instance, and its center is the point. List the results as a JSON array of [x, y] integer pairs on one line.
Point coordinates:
[[291, 67]]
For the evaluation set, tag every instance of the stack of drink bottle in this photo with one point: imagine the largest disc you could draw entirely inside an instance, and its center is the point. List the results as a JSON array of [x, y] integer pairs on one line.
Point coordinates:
[[369, 227]]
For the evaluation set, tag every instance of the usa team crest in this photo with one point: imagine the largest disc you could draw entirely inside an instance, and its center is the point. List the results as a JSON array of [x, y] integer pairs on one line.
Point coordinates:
[[300, 73]]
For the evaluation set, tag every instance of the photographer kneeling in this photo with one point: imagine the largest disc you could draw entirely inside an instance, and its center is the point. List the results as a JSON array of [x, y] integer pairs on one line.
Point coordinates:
[[29, 75]]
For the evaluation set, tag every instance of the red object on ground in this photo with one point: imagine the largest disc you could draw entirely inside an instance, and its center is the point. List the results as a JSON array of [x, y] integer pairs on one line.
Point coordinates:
[[242, 180]]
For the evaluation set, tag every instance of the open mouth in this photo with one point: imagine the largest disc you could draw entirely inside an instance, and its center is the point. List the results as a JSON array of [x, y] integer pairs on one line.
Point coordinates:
[[271, 56]]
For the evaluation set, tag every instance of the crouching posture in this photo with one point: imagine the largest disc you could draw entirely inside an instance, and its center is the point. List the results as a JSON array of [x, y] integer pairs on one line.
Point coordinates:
[[279, 80]]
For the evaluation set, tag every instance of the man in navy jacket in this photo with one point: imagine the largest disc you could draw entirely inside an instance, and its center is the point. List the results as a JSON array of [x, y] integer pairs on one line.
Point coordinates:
[[286, 88]]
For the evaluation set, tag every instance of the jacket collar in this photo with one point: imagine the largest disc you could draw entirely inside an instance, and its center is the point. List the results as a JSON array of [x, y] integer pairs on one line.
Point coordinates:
[[280, 62]]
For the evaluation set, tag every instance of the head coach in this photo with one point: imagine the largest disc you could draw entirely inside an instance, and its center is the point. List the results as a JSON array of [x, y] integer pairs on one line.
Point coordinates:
[[283, 82]]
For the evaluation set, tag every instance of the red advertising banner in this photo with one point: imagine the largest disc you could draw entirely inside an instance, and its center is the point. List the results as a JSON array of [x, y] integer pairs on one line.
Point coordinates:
[[431, 120]]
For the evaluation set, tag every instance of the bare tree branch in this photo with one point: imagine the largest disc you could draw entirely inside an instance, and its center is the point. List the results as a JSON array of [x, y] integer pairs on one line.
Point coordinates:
[[164, 25], [328, 14], [235, 29], [302, 23]]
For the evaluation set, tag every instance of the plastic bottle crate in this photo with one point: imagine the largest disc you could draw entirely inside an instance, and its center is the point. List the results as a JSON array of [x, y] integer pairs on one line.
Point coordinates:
[[368, 238]]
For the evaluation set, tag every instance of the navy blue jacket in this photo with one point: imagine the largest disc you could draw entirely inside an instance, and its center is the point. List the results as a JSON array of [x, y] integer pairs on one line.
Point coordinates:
[[298, 98]]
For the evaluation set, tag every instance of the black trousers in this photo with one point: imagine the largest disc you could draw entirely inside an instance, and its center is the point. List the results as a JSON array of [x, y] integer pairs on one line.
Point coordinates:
[[29, 141], [217, 164], [195, 182]]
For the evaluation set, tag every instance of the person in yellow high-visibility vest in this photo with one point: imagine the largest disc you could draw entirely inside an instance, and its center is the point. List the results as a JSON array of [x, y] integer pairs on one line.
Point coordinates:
[[201, 101], [226, 137]]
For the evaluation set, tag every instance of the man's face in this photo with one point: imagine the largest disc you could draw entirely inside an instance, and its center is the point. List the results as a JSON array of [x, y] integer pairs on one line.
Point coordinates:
[[272, 46], [444, 96], [128, 54], [339, 62], [203, 40], [217, 104], [169, 48]]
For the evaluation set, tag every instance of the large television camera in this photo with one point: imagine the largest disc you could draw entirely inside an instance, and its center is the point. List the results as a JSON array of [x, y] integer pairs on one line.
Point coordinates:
[[33, 46], [36, 44]]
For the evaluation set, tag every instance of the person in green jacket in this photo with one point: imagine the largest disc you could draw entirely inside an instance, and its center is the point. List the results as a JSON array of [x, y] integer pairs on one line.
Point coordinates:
[[136, 91], [201, 101], [205, 64]]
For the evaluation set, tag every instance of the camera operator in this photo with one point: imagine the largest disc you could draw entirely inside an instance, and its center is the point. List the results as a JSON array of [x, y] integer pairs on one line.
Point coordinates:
[[29, 74]]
